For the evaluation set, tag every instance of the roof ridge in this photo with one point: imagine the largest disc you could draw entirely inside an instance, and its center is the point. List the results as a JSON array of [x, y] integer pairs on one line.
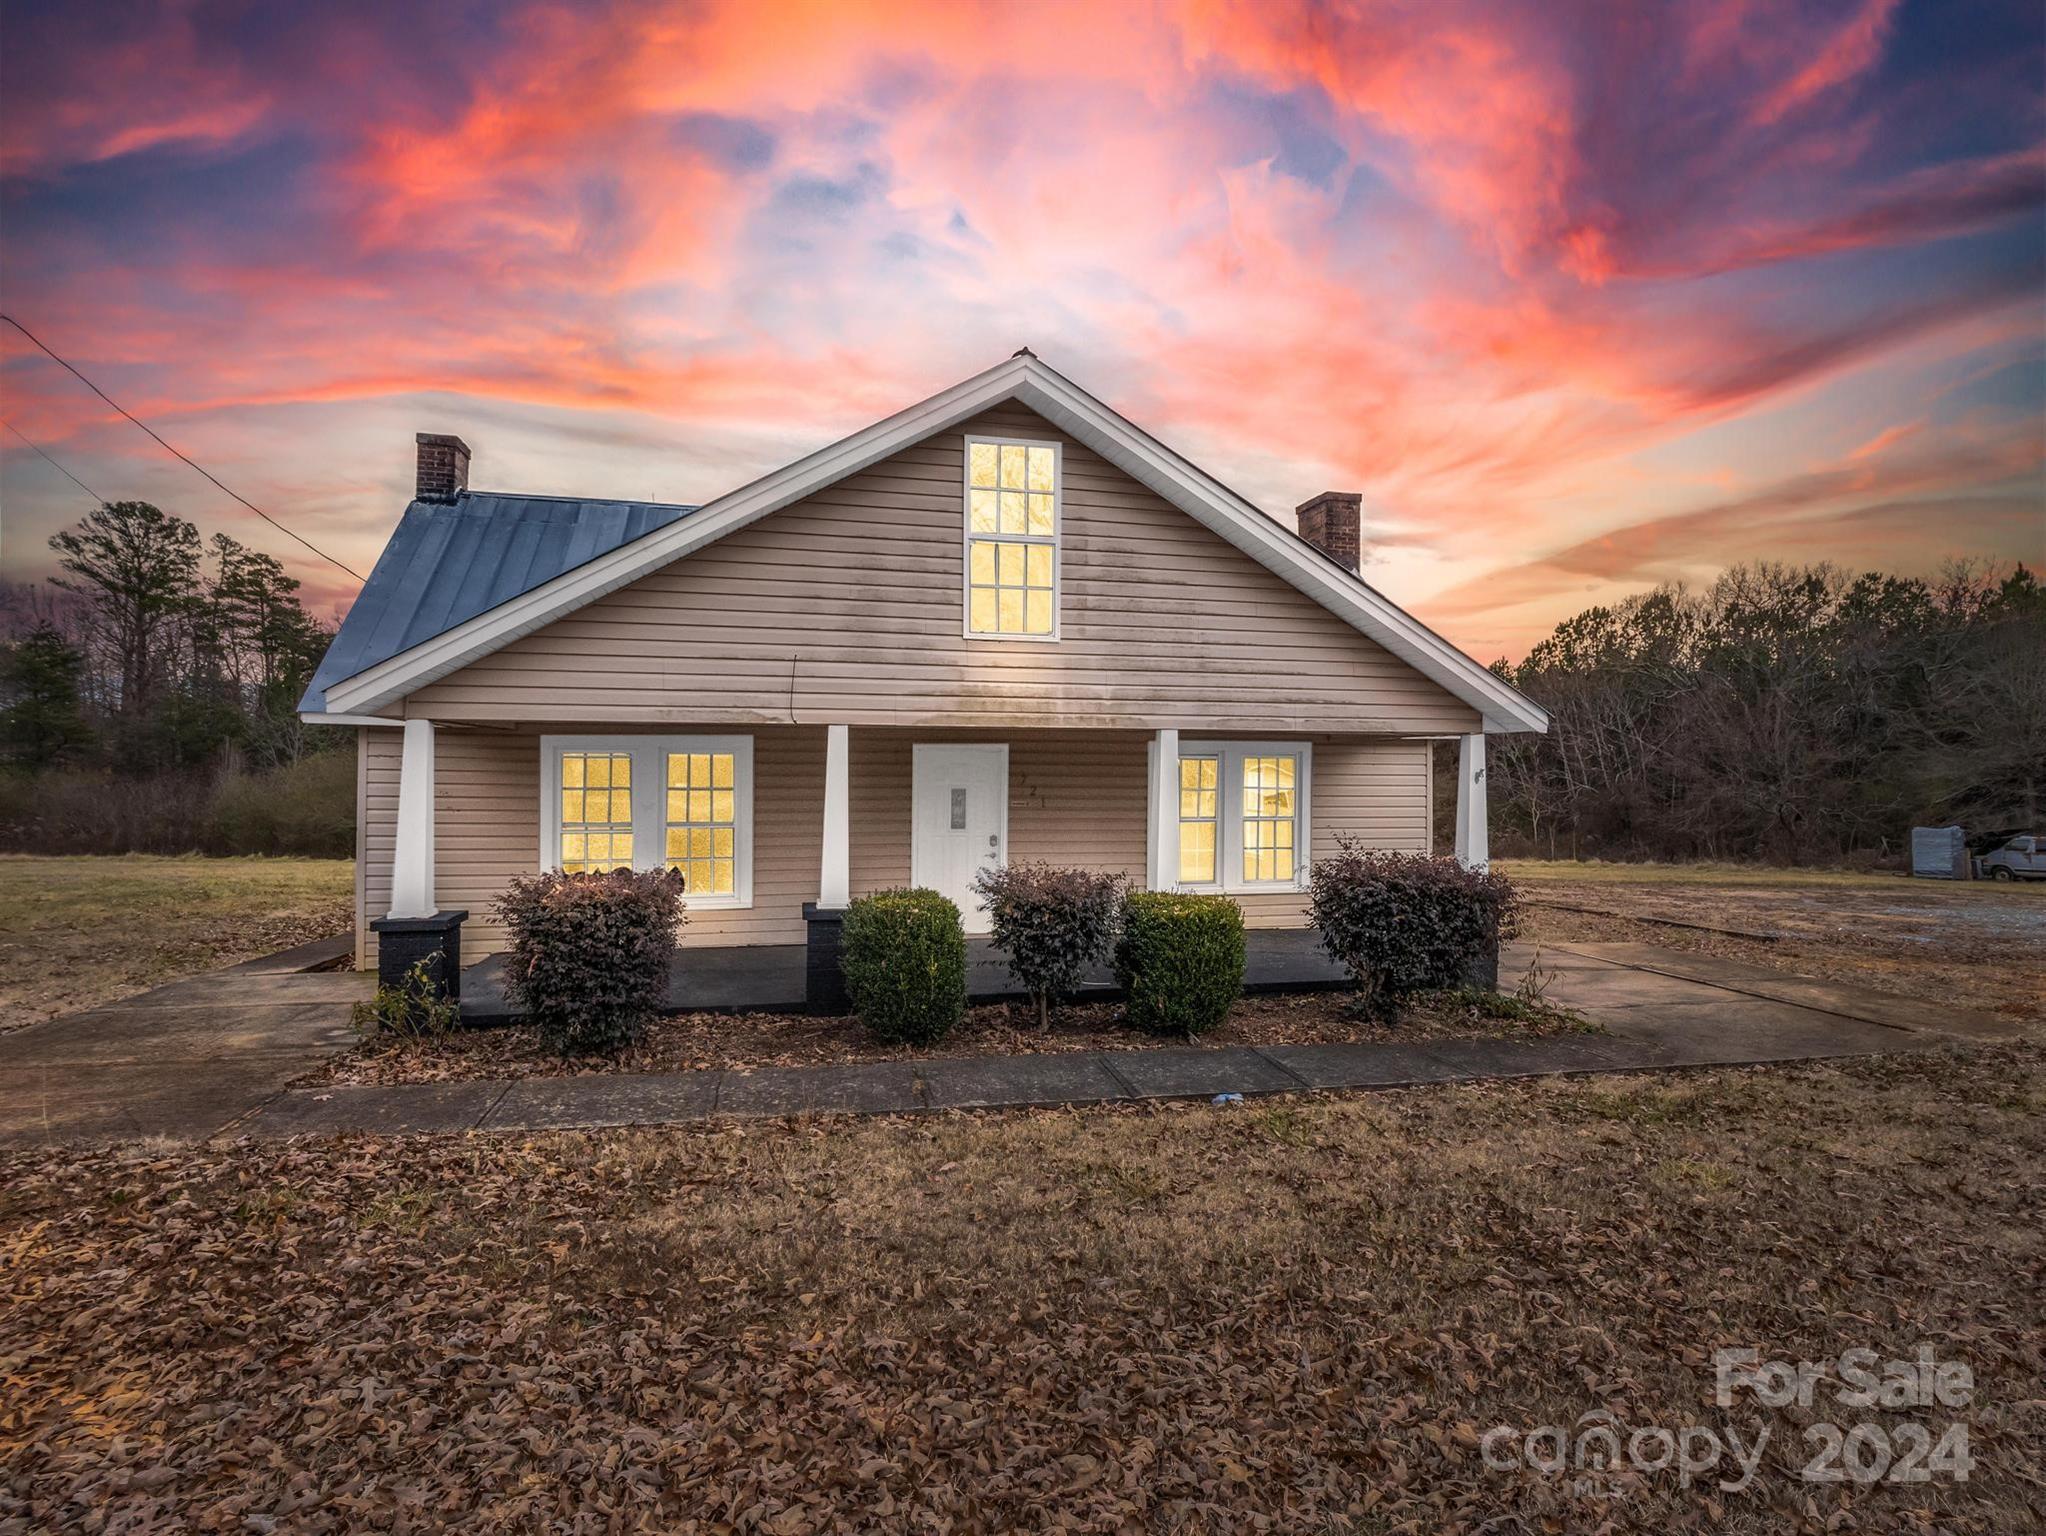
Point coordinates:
[[603, 501]]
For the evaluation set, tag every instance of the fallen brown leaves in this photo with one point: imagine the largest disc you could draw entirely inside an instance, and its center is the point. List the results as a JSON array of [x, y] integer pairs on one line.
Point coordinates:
[[746, 1042], [1299, 1316]]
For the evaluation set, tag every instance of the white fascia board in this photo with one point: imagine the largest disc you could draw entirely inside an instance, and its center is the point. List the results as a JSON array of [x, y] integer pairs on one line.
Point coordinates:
[[1059, 401], [430, 660], [1230, 517], [317, 717]]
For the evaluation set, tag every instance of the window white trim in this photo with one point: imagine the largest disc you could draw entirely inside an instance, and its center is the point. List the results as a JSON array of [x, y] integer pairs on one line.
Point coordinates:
[[649, 803], [1055, 542], [1229, 756]]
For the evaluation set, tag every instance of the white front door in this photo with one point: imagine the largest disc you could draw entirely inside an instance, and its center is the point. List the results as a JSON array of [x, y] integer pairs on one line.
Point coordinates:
[[959, 821]]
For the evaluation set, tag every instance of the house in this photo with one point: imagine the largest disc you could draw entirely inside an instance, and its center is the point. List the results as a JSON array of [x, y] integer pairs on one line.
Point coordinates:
[[1005, 623]]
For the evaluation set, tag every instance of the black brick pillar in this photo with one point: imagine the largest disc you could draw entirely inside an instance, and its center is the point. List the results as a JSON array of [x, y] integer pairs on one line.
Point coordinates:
[[402, 942], [1483, 974], [823, 977]]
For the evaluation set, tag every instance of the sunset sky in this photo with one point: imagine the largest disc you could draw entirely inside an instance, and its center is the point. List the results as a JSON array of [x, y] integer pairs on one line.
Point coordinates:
[[1582, 298]]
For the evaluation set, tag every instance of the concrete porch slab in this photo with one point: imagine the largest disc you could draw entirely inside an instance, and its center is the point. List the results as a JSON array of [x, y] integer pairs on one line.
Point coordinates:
[[314, 956]]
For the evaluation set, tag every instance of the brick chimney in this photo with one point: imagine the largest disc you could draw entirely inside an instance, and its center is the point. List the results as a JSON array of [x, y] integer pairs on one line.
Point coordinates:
[[1333, 523], [443, 467]]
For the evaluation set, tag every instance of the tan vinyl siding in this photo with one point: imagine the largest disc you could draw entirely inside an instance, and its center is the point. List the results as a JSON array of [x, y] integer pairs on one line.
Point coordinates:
[[376, 827], [363, 937], [847, 606], [487, 830], [1375, 791], [486, 813], [1075, 797]]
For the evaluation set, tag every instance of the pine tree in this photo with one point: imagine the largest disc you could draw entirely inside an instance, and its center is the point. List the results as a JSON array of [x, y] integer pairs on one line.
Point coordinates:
[[41, 722]]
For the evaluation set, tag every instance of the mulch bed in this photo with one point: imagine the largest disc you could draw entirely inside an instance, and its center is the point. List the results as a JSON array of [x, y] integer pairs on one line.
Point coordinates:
[[743, 1042]]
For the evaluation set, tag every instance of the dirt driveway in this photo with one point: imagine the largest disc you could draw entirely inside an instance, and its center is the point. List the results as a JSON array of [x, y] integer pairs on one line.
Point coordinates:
[[1978, 944]]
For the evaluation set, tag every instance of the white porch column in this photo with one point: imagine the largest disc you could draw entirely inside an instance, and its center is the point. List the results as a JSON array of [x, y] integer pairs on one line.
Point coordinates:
[[1164, 872], [834, 881], [412, 862], [1473, 847]]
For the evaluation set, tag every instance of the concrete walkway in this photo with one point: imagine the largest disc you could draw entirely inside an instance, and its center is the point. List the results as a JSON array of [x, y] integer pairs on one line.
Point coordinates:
[[1660, 1008], [214, 1054], [181, 1061]]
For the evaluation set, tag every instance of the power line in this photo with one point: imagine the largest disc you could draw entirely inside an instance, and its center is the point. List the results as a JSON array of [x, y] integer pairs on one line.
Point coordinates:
[[110, 400], [98, 500]]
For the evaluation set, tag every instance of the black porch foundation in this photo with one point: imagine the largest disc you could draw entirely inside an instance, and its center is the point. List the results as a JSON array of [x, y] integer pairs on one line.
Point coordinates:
[[823, 977], [402, 942], [774, 978], [1483, 973]]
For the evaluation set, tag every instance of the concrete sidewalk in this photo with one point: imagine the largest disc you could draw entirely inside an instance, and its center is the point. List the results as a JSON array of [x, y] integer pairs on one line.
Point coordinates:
[[1660, 1008], [215, 1054], [181, 1061]]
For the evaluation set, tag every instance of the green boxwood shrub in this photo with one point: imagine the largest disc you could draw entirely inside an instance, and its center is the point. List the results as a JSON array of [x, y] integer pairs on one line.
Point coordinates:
[[1051, 924], [904, 958], [590, 953], [1179, 961], [1402, 923]]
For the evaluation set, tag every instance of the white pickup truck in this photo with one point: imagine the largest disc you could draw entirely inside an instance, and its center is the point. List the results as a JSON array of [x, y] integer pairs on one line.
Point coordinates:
[[2022, 858]]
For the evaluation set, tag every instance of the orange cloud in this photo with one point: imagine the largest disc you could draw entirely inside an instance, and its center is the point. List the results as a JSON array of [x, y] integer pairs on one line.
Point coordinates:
[[1499, 269]]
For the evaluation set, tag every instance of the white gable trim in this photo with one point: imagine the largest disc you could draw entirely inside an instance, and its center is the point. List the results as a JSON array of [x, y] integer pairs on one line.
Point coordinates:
[[1059, 401]]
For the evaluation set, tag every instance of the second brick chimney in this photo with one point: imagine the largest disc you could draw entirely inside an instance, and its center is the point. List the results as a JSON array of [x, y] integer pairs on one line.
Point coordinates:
[[1333, 523], [443, 467]]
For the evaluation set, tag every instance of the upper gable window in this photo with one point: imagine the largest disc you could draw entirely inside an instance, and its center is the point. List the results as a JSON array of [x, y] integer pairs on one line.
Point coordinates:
[[1012, 538]]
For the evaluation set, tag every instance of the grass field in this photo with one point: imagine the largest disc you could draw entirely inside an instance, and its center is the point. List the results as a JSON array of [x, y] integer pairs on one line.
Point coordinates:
[[80, 931], [1595, 872], [1294, 1316], [1598, 872]]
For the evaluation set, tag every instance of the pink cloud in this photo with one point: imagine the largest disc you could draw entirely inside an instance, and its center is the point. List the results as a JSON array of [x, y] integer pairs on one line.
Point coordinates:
[[1483, 261]]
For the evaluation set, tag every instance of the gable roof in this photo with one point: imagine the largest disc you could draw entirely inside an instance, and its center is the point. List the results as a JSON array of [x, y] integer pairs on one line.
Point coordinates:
[[377, 684], [447, 562]]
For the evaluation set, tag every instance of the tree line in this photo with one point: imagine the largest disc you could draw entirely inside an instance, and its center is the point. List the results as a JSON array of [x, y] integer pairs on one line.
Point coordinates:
[[149, 693], [148, 702], [1793, 714]]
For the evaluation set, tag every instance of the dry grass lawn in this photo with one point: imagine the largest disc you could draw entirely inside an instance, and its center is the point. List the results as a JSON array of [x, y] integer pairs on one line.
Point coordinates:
[[1295, 1317], [79, 931], [1980, 944], [1701, 872]]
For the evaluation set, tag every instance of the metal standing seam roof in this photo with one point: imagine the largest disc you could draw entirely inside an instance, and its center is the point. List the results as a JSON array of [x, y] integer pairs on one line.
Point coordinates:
[[448, 561]]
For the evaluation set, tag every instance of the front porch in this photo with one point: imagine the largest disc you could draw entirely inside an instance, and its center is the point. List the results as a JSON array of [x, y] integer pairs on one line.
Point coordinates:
[[770, 978], [778, 827]]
